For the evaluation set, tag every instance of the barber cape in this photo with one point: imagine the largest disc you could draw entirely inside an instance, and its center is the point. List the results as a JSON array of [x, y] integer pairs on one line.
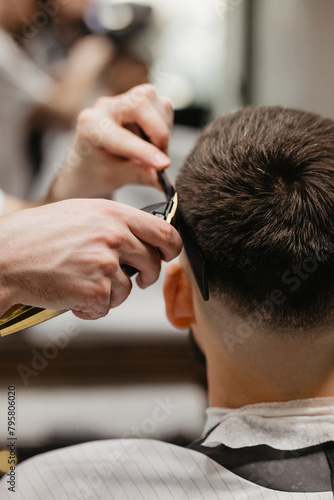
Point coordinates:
[[264, 451]]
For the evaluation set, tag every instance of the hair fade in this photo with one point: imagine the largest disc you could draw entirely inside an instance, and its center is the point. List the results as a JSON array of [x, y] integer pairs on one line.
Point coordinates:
[[258, 191]]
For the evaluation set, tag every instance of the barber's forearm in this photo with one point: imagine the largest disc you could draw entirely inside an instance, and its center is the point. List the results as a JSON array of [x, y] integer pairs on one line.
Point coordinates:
[[7, 294]]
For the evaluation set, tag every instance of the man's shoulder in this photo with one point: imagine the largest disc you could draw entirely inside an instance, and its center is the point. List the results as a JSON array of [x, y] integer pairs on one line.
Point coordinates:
[[120, 469], [129, 469]]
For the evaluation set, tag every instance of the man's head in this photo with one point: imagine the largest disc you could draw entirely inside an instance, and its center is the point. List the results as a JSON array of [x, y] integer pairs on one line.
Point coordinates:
[[258, 191]]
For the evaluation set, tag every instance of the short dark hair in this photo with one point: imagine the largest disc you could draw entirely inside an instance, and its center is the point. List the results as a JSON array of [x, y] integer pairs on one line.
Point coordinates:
[[258, 191]]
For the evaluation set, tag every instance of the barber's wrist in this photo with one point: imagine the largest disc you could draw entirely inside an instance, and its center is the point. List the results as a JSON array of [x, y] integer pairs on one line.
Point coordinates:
[[6, 300], [7, 290]]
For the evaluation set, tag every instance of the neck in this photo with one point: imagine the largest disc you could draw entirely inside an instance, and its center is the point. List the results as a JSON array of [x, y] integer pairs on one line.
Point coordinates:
[[266, 367]]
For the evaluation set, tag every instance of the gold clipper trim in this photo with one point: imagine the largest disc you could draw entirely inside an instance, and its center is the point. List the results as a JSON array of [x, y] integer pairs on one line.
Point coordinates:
[[19, 317]]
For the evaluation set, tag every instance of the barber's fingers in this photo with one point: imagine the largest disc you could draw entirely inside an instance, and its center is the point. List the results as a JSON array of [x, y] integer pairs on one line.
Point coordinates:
[[128, 172], [146, 259], [141, 94], [141, 240], [135, 238], [153, 115], [116, 286], [167, 110], [151, 230], [139, 106], [149, 120], [104, 133], [120, 287], [114, 289], [119, 141]]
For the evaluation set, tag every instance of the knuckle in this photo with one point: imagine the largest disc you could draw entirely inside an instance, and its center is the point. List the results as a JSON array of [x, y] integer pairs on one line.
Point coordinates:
[[167, 231], [155, 261], [141, 95], [106, 264], [98, 295], [127, 288], [154, 273], [142, 103], [146, 280], [94, 136], [102, 261], [145, 90], [168, 106], [117, 298], [107, 208], [169, 111], [117, 240], [172, 239], [156, 267], [112, 266], [86, 116], [164, 138], [103, 291], [149, 90], [102, 102]]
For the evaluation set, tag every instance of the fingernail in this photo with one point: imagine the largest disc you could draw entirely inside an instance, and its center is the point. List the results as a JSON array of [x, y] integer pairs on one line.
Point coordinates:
[[161, 160]]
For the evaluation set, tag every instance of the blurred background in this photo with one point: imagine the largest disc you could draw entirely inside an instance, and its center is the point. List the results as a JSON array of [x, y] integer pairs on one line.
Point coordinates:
[[131, 374]]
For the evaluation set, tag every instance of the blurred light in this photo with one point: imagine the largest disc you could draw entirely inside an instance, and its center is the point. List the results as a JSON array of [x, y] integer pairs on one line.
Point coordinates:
[[115, 18], [178, 88]]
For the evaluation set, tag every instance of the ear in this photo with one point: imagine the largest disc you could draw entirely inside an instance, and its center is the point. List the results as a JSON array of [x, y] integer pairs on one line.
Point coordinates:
[[178, 297]]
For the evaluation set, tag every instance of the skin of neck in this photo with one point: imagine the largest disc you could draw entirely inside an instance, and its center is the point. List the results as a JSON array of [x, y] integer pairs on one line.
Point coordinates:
[[246, 365]]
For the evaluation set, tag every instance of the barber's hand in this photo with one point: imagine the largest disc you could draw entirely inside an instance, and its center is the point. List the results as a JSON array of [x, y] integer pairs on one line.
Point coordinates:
[[68, 255], [108, 152]]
